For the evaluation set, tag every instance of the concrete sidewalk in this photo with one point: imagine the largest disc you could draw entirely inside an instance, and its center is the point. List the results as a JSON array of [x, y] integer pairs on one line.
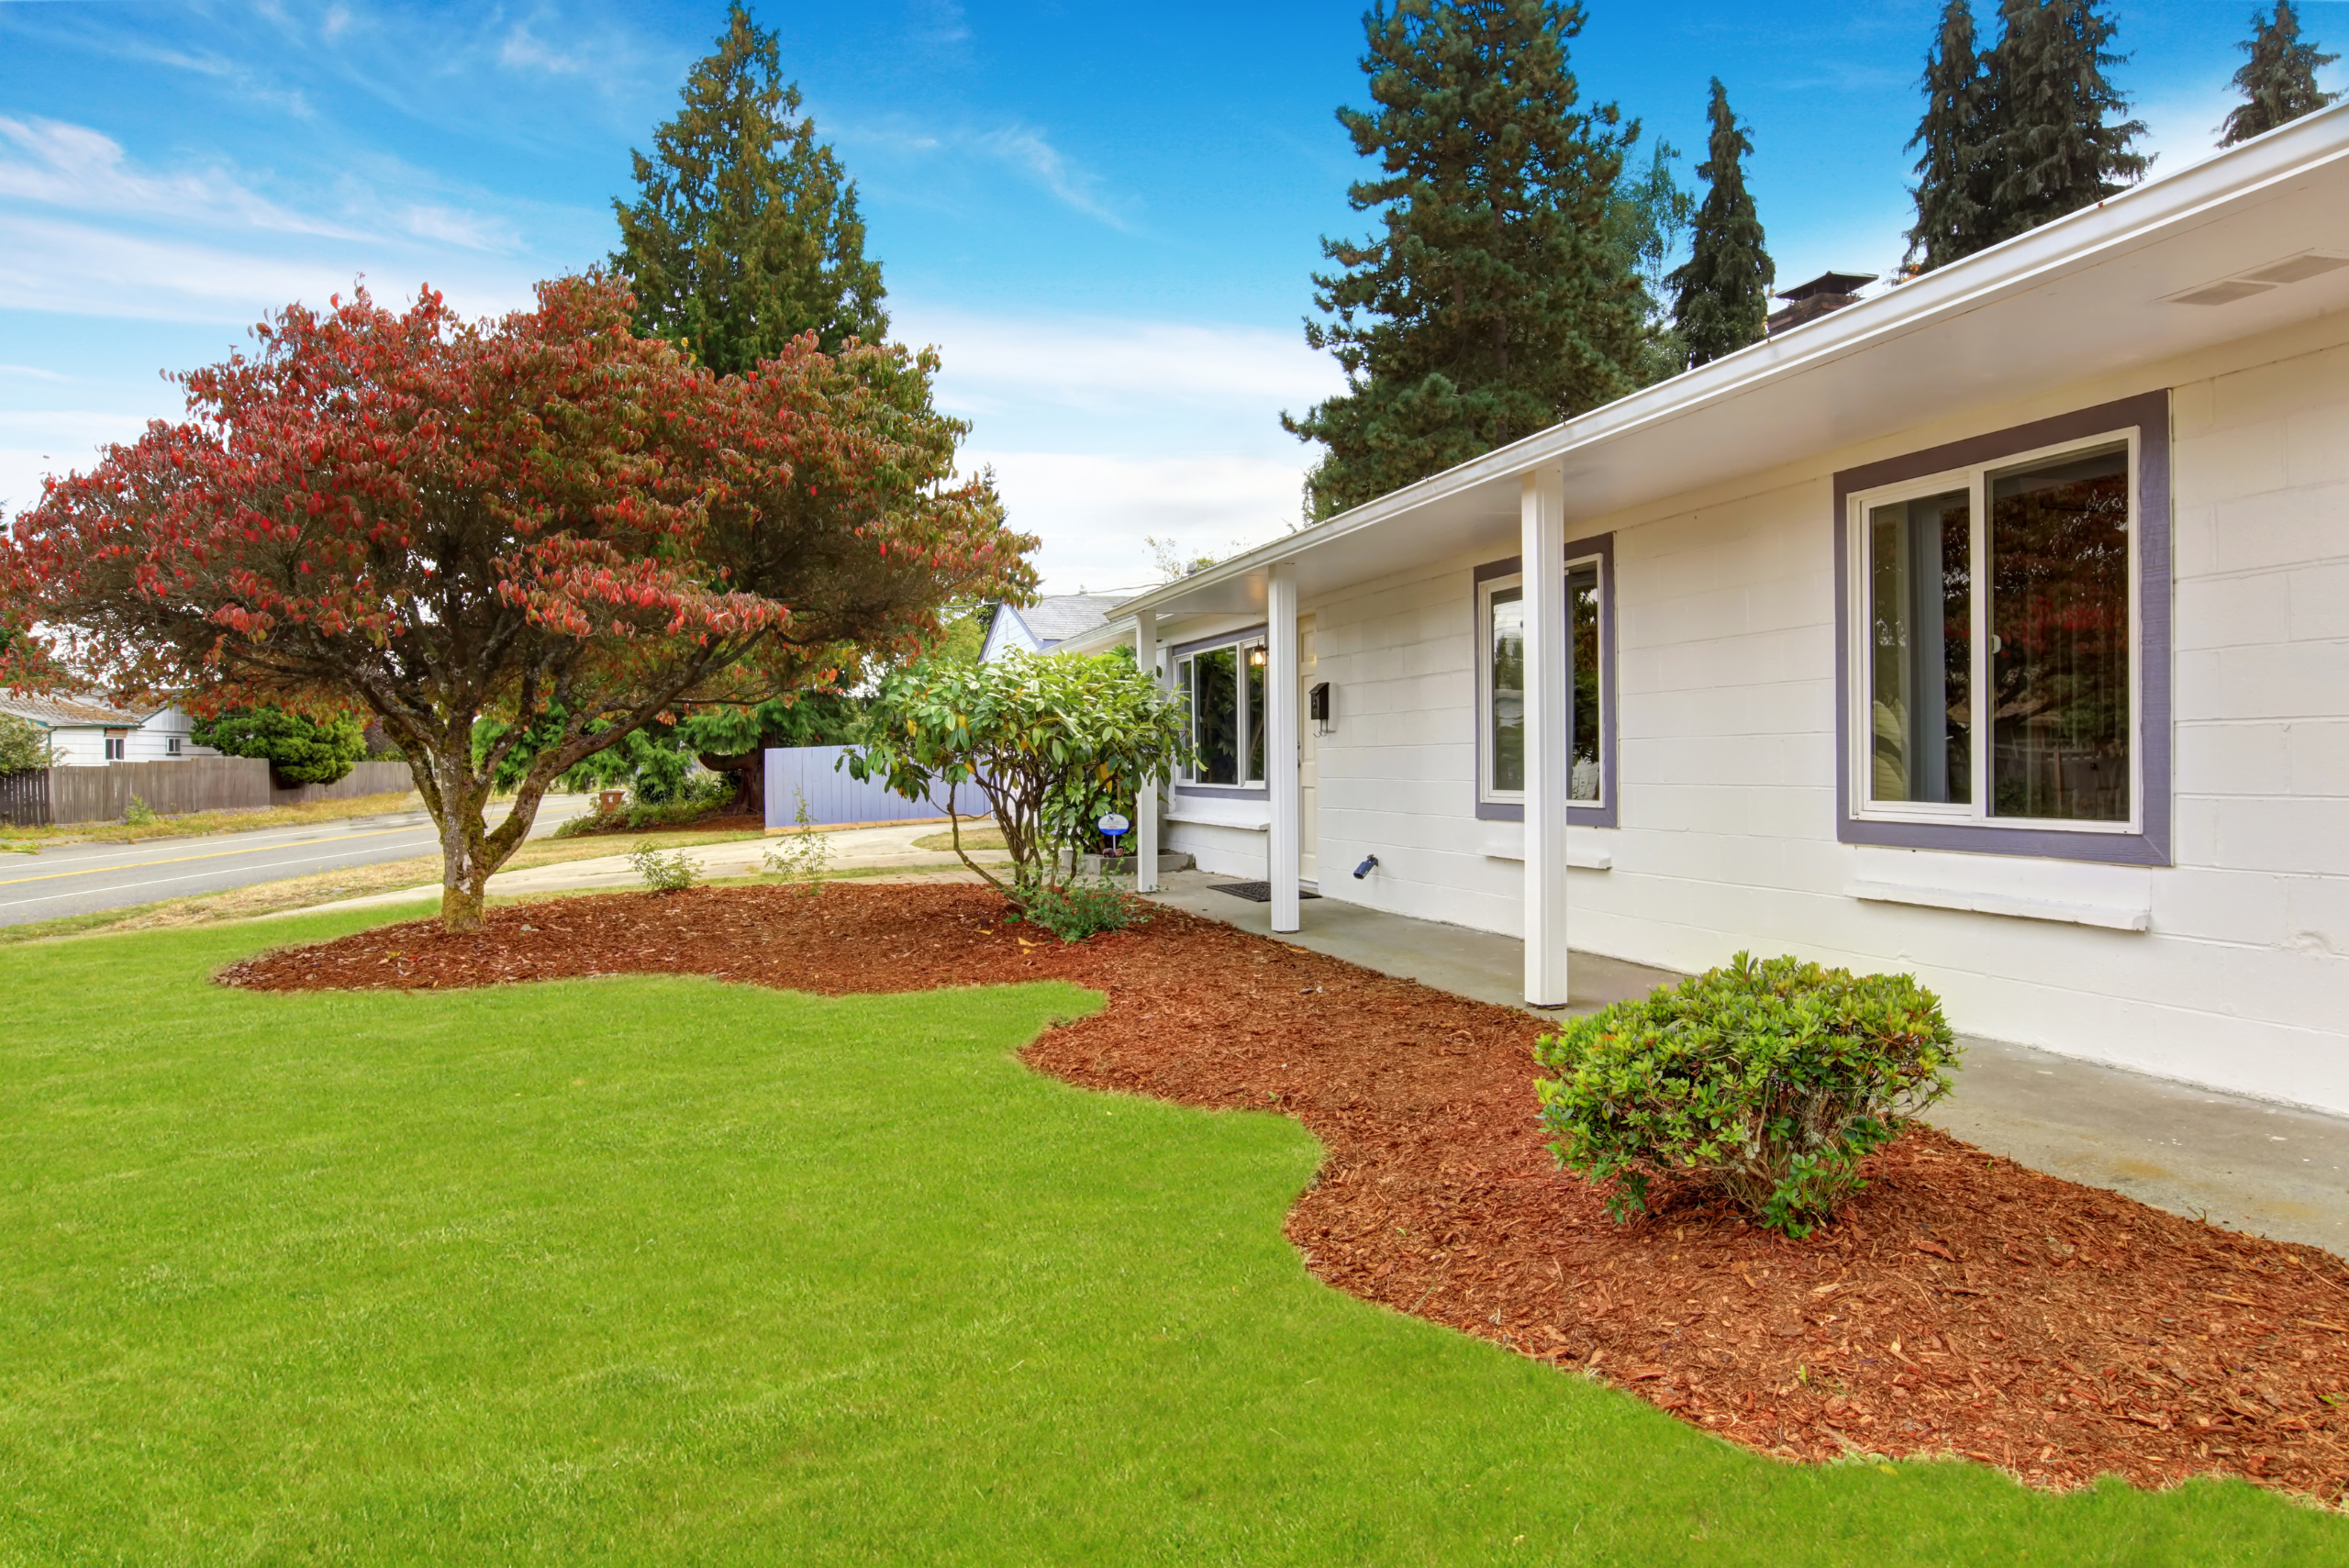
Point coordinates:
[[861, 850], [2246, 1164]]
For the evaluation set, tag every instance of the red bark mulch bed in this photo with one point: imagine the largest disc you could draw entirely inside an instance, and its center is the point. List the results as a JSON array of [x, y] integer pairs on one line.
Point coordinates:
[[1964, 1304]]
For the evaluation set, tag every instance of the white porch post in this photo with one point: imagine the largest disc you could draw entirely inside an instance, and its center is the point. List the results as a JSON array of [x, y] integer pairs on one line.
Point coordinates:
[[1146, 797], [1549, 697], [1280, 740]]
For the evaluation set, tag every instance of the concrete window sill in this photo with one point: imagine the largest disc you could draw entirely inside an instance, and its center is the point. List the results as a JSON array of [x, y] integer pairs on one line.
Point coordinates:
[[2113, 916], [1506, 841], [1248, 816]]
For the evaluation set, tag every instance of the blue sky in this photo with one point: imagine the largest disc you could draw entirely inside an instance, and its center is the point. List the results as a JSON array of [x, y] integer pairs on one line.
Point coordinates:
[[1103, 216]]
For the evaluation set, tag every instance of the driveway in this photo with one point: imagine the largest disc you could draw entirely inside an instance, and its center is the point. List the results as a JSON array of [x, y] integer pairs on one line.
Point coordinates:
[[81, 879]]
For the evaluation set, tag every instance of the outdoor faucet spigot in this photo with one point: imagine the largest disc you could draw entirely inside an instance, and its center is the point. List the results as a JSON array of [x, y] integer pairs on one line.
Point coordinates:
[[1369, 863]]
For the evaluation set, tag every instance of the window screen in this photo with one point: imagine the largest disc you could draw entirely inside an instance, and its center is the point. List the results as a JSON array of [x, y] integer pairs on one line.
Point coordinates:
[[2059, 640]]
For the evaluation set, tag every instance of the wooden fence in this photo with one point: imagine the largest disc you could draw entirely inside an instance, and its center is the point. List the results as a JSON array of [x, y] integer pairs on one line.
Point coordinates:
[[24, 798], [809, 772], [194, 783]]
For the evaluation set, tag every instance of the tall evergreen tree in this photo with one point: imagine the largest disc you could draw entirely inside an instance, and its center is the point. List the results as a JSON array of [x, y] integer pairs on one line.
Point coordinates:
[[744, 233], [1724, 300], [1952, 191], [2054, 148], [2278, 82], [1494, 303], [1650, 222]]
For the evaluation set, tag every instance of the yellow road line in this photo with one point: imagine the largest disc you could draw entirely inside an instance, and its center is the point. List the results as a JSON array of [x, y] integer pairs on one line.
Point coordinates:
[[217, 854]]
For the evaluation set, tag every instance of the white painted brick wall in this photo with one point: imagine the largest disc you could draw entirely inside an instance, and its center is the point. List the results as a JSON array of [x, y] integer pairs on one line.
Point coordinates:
[[1726, 724]]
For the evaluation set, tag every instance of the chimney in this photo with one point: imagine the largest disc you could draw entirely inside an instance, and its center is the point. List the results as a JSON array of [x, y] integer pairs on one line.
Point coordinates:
[[1809, 302]]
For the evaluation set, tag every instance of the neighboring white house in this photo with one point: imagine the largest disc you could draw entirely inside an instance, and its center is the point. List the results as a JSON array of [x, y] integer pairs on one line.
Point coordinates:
[[2097, 475], [1046, 624], [87, 731]]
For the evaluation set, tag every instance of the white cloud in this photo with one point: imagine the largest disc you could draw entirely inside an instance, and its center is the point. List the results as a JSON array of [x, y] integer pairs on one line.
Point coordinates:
[[1092, 511], [1024, 147], [34, 444], [83, 270], [523, 51], [1079, 362], [473, 230], [58, 164]]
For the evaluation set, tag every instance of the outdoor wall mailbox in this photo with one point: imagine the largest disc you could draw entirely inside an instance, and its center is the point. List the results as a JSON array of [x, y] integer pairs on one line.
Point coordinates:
[[1317, 702]]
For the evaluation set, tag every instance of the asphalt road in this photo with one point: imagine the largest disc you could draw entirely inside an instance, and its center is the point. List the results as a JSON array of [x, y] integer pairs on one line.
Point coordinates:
[[79, 879]]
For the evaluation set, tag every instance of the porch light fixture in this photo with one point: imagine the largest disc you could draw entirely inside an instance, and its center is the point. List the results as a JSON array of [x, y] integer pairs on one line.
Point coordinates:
[[1256, 656]]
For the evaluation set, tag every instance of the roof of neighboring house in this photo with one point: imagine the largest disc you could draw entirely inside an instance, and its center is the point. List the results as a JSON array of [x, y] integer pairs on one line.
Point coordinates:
[[1059, 616], [73, 712]]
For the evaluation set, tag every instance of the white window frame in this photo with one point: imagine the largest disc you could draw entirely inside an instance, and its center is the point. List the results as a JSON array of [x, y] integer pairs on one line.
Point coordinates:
[[1486, 758], [1975, 480], [1246, 722]]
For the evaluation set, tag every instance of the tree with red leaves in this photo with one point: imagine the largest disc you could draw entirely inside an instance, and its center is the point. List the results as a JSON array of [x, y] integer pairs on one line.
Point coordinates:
[[544, 516]]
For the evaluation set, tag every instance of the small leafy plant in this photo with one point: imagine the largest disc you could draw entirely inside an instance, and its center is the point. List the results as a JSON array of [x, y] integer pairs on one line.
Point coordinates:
[[803, 853], [139, 814], [1079, 910], [702, 797], [1773, 1079], [670, 872]]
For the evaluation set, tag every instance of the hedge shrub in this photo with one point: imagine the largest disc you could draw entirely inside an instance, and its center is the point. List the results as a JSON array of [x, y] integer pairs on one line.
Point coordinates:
[[299, 749], [1771, 1079]]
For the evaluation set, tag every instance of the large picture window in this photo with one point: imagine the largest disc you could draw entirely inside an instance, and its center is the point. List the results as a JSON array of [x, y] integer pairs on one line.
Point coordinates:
[[2005, 685], [1222, 688], [1500, 635]]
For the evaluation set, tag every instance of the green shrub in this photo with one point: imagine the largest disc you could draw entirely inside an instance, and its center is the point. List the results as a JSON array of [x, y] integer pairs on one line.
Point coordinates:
[[24, 745], [139, 814], [704, 796], [671, 872], [1773, 1080], [1076, 911], [299, 749]]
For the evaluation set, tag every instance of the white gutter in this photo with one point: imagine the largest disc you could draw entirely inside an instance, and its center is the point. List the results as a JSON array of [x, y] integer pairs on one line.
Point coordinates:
[[2029, 260]]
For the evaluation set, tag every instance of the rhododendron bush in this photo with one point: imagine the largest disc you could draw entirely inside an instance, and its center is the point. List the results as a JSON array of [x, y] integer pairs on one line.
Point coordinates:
[[439, 521]]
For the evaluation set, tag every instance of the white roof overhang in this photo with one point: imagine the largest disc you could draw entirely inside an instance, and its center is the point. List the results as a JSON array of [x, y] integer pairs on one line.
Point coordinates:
[[2089, 295]]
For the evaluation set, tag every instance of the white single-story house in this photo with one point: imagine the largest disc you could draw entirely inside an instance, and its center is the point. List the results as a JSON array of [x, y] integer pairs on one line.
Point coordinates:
[[1046, 624], [87, 731], [1995, 628]]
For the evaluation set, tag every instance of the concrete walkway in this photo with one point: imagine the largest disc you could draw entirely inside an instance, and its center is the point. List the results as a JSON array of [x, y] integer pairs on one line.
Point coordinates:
[[2246, 1164], [861, 850]]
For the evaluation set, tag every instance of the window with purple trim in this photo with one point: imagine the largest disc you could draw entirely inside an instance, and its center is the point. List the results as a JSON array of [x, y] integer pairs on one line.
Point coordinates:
[[1500, 619], [1995, 674], [1222, 690]]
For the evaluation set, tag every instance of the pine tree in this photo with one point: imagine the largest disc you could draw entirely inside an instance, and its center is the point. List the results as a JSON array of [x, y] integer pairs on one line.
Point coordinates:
[[2278, 82], [1649, 223], [1724, 289], [1952, 191], [745, 232], [1495, 303], [2053, 150]]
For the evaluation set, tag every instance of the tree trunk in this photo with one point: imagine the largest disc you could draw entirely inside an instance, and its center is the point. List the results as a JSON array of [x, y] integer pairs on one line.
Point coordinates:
[[458, 799], [462, 907], [749, 774]]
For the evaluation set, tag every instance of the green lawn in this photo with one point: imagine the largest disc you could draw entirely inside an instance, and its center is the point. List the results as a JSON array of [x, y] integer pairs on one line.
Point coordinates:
[[673, 1271]]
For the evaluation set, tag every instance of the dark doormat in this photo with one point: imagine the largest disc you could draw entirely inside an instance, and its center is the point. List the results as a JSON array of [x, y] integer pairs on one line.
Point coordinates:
[[1255, 892]]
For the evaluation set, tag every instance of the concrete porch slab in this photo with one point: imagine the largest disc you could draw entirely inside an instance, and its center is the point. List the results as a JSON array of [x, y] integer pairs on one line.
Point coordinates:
[[2244, 1163]]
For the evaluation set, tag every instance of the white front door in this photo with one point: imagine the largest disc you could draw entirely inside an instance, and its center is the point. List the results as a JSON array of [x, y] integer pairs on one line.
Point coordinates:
[[1308, 748]]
